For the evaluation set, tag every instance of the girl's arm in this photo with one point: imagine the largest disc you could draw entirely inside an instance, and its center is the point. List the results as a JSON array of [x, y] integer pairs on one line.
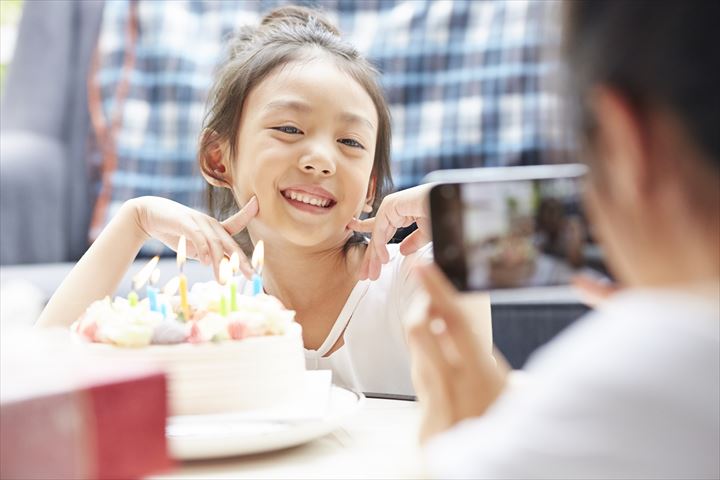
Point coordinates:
[[99, 272], [101, 269]]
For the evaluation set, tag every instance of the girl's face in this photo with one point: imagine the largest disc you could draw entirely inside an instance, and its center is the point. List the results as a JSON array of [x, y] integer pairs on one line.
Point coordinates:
[[306, 148]]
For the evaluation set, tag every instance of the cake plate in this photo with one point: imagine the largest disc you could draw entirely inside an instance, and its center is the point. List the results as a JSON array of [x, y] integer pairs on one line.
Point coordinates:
[[224, 435]]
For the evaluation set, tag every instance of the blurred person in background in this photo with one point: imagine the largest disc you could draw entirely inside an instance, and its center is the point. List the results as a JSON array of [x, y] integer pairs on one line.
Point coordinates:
[[633, 389]]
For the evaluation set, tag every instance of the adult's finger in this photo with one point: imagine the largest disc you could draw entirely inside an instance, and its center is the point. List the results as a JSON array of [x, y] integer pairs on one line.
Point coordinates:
[[237, 223], [593, 292], [444, 304]]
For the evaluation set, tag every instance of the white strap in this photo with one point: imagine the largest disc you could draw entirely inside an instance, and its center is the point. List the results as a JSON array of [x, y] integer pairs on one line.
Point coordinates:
[[343, 319]]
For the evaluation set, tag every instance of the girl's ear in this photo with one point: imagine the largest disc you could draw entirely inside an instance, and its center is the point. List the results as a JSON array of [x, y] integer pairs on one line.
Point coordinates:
[[370, 199], [213, 161]]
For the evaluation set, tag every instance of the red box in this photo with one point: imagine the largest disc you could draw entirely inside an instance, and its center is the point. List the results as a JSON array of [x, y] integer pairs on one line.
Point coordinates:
[[64, 416]]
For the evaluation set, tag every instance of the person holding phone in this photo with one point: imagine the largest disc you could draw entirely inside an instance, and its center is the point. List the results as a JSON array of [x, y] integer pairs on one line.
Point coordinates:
[[633, 389]]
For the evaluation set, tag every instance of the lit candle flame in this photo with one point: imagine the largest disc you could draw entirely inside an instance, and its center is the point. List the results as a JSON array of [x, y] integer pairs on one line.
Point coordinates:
[[171, 287], [181, 252], [142, 277], [235, 262], [224, 271], [258, 257]]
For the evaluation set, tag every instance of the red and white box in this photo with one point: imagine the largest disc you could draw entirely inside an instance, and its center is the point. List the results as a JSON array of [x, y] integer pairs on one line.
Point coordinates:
[[65, 416]]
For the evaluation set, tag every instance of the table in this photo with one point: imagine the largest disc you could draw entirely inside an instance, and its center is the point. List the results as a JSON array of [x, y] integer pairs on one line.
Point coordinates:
[[381, 440]]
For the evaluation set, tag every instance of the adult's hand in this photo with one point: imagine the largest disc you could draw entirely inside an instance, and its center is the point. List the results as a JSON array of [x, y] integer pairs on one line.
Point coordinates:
[[593, 291], [455, 377], [397, 210]]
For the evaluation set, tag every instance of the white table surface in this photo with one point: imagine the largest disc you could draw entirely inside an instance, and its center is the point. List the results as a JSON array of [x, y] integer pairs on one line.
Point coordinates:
[[379, 441]]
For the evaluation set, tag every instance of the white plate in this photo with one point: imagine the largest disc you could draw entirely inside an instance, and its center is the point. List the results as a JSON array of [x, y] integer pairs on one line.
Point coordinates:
[[213, 436]]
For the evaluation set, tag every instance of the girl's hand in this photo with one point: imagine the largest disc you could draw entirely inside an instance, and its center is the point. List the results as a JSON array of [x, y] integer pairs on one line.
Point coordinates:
[[400, 209], [208, 240], [454, 376]]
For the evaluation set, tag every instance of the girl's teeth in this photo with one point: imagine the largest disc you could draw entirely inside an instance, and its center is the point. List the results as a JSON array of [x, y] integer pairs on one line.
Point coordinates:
[[311, 201]]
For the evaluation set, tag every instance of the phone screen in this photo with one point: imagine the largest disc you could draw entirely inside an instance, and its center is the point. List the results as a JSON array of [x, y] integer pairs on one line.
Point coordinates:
[[510, 233]]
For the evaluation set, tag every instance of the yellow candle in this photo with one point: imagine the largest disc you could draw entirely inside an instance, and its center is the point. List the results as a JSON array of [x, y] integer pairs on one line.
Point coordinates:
[[181, 252], [184, 297]]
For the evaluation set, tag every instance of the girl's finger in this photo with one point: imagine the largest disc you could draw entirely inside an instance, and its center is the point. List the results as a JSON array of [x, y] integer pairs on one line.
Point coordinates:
[[375, 265], [215, 245], [413, 242], [229, 244], [365, 226], [366, 262], [237, 223], [194, 234]]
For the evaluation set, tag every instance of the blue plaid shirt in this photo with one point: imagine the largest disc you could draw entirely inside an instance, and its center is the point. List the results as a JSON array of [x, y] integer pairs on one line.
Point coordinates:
[[465, 82]]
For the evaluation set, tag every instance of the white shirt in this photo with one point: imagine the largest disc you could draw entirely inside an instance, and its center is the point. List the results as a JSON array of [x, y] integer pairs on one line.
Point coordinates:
[[631, 391], [375, 356]]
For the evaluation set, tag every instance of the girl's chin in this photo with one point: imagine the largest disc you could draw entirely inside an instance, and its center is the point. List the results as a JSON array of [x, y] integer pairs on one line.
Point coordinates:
[[305, 236]]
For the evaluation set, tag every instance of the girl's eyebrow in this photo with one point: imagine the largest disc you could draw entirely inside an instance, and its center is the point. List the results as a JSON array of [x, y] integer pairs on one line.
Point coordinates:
[[348, 117], [303, 107]]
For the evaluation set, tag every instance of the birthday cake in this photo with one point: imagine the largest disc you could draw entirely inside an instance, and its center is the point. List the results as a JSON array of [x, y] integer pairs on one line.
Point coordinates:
[[223, 351]]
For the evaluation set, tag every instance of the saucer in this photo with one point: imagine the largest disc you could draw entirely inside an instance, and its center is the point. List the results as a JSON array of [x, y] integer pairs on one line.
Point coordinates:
[[223, 435]]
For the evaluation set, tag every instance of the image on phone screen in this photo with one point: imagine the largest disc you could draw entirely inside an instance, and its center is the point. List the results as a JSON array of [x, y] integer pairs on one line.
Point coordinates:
[[511, 233]]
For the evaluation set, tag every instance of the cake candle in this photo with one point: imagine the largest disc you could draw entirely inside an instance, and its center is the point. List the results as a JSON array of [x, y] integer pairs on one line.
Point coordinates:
[[224, 273], [170, 289], [141, 278], [181, 254], [235, 266], [257, 265], [152, 291]]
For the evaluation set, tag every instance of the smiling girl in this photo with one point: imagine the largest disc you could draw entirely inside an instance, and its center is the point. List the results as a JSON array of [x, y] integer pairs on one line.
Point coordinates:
[[298, 135]]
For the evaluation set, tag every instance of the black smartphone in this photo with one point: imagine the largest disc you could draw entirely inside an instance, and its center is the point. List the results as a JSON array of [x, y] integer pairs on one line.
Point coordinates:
[[510, 227]]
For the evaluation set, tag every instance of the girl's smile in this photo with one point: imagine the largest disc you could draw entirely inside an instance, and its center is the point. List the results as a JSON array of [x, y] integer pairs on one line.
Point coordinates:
[[309, 198]]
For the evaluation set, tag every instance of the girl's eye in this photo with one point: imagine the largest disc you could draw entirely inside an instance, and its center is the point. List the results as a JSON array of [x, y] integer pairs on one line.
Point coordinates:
[[351, 143], [289, 130]]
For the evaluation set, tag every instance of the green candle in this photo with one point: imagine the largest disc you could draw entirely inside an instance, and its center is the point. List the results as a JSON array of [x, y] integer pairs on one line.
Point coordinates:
[[223, 306], [233, 296], [133, 298]]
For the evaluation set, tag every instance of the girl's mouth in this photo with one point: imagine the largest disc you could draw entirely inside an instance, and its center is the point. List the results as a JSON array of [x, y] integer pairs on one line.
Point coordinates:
[[307, 202]]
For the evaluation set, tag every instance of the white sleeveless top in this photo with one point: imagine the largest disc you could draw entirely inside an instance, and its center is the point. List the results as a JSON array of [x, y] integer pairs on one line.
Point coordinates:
[[374, 356]]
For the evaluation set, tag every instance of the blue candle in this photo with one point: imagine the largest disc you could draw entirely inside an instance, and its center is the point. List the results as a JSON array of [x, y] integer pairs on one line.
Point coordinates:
[[152, 291], [257, 265], [152, 298], [163, 310]]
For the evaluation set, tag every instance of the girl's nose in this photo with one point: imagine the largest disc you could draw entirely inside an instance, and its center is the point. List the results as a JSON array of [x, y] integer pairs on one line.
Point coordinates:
[[318, 162]]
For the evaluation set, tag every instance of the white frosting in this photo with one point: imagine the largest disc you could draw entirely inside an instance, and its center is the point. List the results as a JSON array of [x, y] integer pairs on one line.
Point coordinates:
[[207, 378]]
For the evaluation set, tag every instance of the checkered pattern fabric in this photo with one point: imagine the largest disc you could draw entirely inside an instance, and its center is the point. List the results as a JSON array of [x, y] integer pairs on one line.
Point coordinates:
[[464, 79]]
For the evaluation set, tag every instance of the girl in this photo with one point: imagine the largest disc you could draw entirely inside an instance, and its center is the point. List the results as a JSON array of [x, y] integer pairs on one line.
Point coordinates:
[[298, 134]]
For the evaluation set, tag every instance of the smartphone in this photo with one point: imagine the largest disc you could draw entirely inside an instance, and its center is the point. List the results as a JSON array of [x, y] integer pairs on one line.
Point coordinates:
[[510, 227]]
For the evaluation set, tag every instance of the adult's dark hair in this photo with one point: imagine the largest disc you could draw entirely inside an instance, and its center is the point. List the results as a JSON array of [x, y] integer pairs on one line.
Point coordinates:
[[656, 53]]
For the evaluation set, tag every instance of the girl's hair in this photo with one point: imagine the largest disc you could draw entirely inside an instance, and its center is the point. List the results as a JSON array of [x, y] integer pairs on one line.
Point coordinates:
[[655, 53], [285, 35]]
